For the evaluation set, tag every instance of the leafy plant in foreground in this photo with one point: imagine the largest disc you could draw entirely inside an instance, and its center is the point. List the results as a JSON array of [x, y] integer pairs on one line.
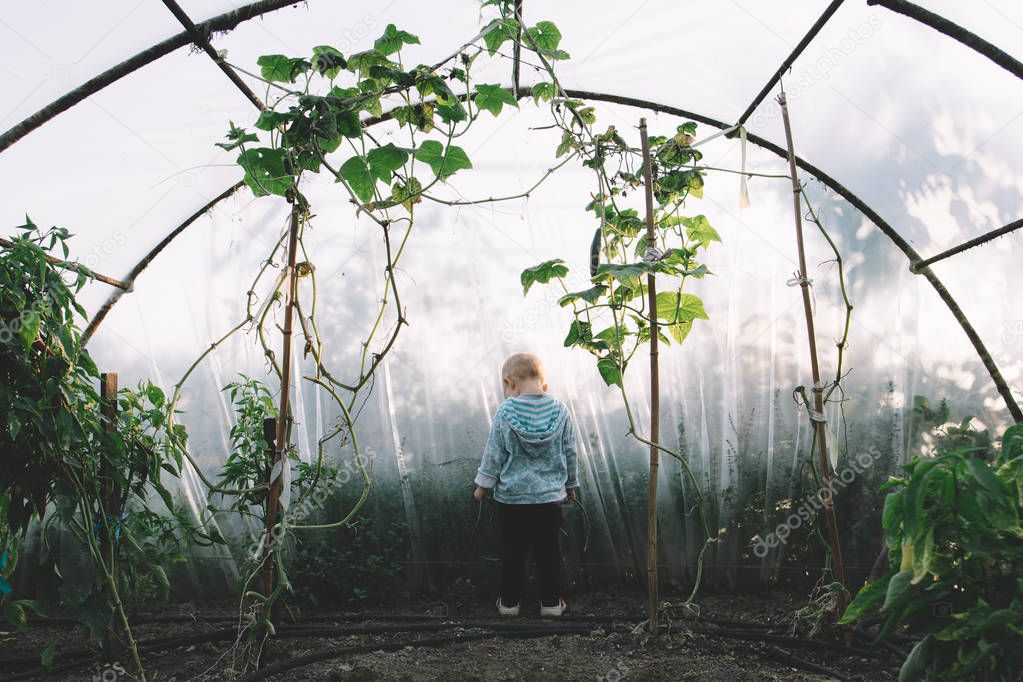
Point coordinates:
[[952, 524], [95, 464]]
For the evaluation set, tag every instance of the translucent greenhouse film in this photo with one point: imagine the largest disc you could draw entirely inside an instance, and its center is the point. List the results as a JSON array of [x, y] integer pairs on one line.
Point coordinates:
[[415, 291]]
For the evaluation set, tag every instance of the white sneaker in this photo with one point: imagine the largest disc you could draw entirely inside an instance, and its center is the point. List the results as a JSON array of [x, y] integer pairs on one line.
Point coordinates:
[[507, 610], [553, 610]]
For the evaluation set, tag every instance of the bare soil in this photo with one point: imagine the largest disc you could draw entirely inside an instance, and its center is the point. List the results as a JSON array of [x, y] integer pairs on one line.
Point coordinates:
[[608, 652]]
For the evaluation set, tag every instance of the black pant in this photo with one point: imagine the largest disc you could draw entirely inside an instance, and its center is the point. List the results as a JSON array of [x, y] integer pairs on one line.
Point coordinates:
[[525, 527]]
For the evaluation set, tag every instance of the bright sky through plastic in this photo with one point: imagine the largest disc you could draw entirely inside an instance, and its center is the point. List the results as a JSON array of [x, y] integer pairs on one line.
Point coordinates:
[[925, 130]]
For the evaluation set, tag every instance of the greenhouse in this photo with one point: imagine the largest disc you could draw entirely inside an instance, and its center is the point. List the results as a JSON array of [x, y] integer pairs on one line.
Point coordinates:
[[497, 340]]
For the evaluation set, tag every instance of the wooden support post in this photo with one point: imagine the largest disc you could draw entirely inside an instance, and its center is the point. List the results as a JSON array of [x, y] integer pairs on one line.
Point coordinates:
[[818, 388], [111, 495], [280, 440], [655, 398]]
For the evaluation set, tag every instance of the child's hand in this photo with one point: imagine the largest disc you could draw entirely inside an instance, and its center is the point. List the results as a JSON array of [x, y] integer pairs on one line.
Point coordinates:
[[572, 494], [480, 494]]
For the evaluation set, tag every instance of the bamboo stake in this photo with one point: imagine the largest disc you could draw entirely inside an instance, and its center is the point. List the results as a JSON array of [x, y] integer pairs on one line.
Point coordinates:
[[651, 513], [818, 388], [276, 482], [110, 494]]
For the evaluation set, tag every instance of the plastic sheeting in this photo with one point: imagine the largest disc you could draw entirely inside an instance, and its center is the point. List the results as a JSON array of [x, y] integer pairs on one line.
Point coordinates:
[[923, 129]]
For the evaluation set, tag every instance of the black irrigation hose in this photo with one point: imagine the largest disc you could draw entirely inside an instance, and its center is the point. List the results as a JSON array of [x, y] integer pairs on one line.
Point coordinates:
[[790, 659], [751, 635]]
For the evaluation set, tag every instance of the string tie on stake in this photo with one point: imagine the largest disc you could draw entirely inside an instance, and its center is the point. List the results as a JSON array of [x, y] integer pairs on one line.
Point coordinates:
[[816, 416], [798, 281], [652, 254]]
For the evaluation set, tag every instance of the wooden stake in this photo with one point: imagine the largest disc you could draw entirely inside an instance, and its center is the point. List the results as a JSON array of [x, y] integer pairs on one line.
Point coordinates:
[[818, 389], [273, 500], [111, 495], [651, 514]]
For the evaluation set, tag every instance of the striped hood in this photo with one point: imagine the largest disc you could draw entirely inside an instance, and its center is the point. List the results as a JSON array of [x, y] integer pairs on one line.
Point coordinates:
[[536, 419]]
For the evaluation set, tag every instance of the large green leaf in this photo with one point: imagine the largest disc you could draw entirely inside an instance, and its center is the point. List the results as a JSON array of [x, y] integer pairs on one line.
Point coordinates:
[[691, 308], [356, 174], [699, 229], [498, 32], [609, 372], [451, 113], [383, 161], [542, 273], [393, 39], [328, 61], [418, 115], [264, 171], [916, 665], [29, 329], [869, 595], [896, 588], [443, 161], [579, 332], [546, 37], [492, 98], [680, 330], [407, 193], [591, 295], [627, 273], [544, 91], [363, 62], [280, 68]]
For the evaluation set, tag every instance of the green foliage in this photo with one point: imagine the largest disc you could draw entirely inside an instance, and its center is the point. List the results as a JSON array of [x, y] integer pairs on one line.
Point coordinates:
[[492, 98], [48, 378], [542, 273], [621, 258], [443, 161], [250, 459], [305, 126], [351, 566], [99, 465], [952, 524]]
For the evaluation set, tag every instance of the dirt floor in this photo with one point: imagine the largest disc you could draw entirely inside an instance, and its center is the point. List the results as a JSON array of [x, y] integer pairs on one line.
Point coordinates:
[[692, 648]]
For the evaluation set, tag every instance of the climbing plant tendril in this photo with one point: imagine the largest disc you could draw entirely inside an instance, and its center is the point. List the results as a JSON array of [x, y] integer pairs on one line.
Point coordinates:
[[312, 125]]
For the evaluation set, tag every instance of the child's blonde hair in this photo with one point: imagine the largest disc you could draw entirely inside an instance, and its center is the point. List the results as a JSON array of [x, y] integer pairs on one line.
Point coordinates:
[[522, 367]]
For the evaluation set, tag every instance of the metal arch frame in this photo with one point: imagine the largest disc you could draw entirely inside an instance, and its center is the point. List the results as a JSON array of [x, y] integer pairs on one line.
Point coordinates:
[[917, 264]]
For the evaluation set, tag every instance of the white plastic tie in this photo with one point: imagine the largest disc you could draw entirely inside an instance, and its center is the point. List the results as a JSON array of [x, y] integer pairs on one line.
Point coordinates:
[[652, 254], [798, 281], [816, 416]]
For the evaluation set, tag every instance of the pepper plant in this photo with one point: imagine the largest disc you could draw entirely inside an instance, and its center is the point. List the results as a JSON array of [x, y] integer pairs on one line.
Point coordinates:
[[952, 525], [97, 467]]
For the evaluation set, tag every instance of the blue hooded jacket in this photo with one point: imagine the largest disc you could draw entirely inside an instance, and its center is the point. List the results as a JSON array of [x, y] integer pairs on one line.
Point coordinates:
[[530, 456]]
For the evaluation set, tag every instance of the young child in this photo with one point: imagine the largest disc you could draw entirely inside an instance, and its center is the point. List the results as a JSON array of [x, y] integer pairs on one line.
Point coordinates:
[[530, 465]]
